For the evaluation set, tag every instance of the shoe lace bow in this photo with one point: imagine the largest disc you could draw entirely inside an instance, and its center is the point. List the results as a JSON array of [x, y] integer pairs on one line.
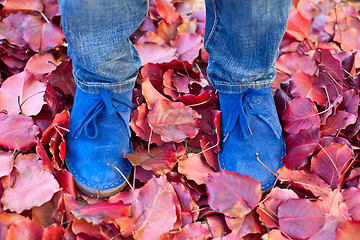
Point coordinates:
[[248, 105], [105, 101]]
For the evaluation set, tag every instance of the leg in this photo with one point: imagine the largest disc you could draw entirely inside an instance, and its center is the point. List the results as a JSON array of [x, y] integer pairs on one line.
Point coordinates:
[[242, 39], [105, 65]]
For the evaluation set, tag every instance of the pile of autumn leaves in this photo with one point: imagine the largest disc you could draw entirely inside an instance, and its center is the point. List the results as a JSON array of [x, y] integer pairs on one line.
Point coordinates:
[[178, 191]]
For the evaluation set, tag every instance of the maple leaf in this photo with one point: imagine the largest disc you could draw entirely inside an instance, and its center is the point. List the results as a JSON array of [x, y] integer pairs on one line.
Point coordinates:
[[33, 187]]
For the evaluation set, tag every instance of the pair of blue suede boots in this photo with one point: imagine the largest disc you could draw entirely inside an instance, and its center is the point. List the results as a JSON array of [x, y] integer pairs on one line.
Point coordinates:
[[100, 135]]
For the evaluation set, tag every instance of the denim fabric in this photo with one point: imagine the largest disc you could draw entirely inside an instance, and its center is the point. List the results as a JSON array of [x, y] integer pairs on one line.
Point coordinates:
[[98, 36], [242, 38]]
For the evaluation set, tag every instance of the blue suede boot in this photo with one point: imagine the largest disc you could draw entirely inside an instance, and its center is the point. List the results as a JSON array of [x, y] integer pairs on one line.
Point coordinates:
[[250, 126], [99, 136]]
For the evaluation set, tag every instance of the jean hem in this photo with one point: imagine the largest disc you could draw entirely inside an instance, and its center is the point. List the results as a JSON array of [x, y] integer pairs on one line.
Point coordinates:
[[239, 88], [95, 87]]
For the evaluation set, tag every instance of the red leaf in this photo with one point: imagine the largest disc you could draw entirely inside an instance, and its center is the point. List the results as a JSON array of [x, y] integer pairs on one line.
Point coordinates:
[[66, 182], [22, 161], [330, 161], [32, 188], [194, 231], [244, 226], [166, 10], [333, 204], [306, 85], [17, 131], [41, 36], [10, 28], [300, 146], [298, 26], [161, 161], [337, 122], [304, 180], [233, 194], [22, 93], [62, 78], [84, 230], [195, 169], [41, 63], [52, 99], [209, 154], [187, 46], [268, 209], [16, 5], [274, 235], [348, 230], [53, 232], [217, 225], [154, 211], [174, 121], [25, 229], [52, 137], [300, 113], [352, 200], [329, 66], [189, 209], [41, 152], [99, 212], [299, 218], [6, 163], [293, 62], [150, 93], [139, 124], [155, 53]]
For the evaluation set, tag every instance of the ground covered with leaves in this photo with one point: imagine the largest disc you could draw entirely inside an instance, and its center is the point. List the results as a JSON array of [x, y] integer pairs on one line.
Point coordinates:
[[177, 191]]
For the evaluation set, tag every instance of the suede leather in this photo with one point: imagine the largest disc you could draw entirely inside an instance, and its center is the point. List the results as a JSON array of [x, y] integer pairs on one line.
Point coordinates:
[[99, 136], [250, 126]]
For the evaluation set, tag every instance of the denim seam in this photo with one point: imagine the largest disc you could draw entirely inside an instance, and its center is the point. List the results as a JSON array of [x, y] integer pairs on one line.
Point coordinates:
[[243, 84], [104, 84], [214, 27]]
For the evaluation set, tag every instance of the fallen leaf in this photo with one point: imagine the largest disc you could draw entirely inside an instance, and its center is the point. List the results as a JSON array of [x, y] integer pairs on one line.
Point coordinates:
[[348, 230], [41, 36], [196, 231], [6, 163], [174, 121], [194, 168], [166, 10], [16, 5], [300, 113], [300, 146], [17, 131], [330, 161], [299, 218], [103, 211], [41, 63], [32, 188], [22, 93], [25, 229], [233, 194], [161, 159]]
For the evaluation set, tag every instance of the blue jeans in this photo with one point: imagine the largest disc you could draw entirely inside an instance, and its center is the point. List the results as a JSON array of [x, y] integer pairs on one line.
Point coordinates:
[[242, 38]]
